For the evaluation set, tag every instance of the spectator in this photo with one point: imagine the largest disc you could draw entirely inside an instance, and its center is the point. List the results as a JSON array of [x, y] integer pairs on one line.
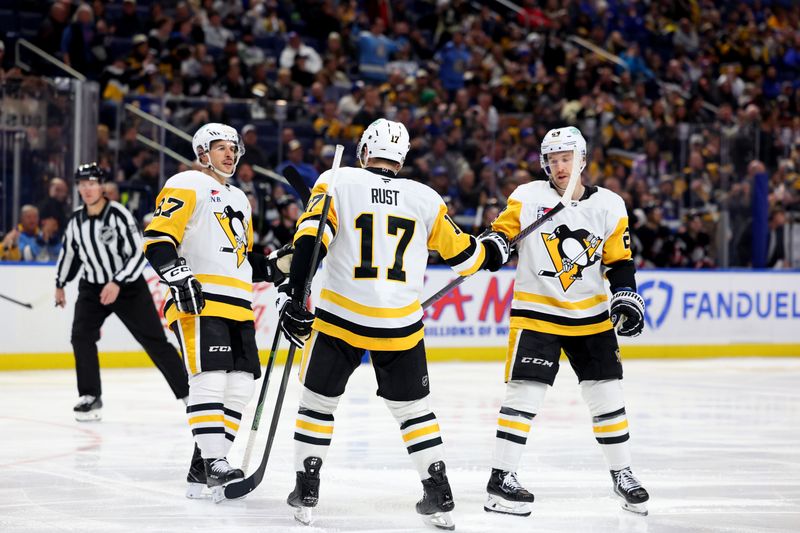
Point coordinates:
[[52, 28], [693, 245], [253, 153], [374, 49], [453, 59], [56, 206], [656, 239], [289, 212], [80, 42], [128, 24], [295, 47], [37, 244], [295, 158], [216, 34]]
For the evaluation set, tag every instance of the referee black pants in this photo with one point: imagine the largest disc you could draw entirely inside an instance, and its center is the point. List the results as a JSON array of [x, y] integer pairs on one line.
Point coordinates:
[[134, 307]]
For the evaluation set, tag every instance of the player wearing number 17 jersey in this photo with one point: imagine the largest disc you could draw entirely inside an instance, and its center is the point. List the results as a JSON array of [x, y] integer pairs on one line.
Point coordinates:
[[376, 239]]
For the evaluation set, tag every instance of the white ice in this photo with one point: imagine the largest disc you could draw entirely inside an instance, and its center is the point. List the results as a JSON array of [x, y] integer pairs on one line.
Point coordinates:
[[714, 441]]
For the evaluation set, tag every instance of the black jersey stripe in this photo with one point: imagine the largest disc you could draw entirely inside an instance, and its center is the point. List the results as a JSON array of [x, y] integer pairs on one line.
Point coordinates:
[[368, 331], [562, 320]]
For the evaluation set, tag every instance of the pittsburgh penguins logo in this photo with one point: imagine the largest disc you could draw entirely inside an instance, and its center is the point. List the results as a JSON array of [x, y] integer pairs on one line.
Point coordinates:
[[571, 252], [235, 227]]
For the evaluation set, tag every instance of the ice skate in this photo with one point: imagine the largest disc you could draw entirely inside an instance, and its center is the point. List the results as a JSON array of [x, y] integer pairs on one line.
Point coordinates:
[[437, 499], [196, 478], [88, 408], [306, 491], [218, 474], [634, 497], [506, 495]]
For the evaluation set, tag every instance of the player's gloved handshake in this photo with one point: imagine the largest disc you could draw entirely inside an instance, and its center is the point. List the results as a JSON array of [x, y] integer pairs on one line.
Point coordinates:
[[186, 291], [278, 263], [295, 319], [627, 312], [497, 250]]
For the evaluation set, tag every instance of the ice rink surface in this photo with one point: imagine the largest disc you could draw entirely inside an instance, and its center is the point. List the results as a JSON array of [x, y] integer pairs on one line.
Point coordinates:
[[716, 442]]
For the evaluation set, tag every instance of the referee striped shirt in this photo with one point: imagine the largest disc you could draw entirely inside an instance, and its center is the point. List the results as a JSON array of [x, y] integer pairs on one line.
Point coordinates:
[[108, 246]]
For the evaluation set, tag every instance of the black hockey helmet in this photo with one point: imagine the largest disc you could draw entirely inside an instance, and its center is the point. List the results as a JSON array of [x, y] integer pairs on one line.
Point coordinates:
[[91, 171]]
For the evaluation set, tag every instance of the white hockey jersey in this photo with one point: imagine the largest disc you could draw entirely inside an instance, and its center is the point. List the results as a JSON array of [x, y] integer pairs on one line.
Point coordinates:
[[559, 286], [210, 225], [378, 234]]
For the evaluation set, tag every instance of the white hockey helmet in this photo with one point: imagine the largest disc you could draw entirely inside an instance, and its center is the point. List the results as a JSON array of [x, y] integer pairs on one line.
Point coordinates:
[[562, 140], [385, 139], [213, 131]]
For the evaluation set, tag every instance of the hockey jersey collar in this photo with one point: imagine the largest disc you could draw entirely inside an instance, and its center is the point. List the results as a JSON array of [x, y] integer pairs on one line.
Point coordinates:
[[383, 172], [588, 190]]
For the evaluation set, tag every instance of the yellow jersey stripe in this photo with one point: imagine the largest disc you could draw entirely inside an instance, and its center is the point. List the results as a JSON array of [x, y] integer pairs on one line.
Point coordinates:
[[226, 281], [617, 246], [220, 309], [187, 327], [378, 312], [206, 418], [613, 427], [369, 343], [514, 425], [231, 425], [312, 232], [477, 264], [562, 304], [512, 345], [421, 432], [558, 329], [302, 424]]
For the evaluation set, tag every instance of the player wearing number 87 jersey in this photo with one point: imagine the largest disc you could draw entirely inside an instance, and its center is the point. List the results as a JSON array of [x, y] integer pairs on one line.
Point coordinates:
[[378, 231]]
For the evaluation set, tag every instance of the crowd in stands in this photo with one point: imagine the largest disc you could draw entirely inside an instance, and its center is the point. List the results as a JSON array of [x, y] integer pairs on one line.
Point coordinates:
[[684, 102]]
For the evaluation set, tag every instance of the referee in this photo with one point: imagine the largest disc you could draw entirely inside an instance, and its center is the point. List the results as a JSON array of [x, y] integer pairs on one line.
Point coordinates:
[[103, 237]]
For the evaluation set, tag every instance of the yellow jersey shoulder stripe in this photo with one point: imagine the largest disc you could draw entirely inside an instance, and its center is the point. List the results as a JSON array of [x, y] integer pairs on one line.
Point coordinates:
[[562, 304]]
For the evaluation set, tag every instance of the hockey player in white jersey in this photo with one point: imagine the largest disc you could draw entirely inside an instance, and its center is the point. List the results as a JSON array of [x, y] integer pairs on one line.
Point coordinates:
[[200, 243], [560, 303], [376, 239]]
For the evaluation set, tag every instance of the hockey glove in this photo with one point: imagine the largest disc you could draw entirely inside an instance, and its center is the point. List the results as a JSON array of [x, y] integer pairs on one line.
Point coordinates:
[[627, 312], [497, 250], [278, 263], [295, 320], [187, 293]]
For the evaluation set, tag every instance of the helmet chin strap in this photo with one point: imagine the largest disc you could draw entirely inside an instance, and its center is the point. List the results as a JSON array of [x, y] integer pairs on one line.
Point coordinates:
[[214, 169]]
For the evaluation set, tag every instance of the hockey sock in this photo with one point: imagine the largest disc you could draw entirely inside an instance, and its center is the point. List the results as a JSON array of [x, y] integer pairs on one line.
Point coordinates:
[[238, 391], [609, 422], [420, 431], [313, 428], [205, 411], [523, 400]]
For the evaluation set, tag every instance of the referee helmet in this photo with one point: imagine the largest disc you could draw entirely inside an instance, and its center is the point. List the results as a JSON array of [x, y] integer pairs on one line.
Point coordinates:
[[91, 171]]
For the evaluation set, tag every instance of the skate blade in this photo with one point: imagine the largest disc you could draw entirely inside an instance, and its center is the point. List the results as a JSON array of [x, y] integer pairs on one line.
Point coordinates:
[[635, 508], [440, 521], [91, 416], [303, 515], [496, 504], [196, 491]]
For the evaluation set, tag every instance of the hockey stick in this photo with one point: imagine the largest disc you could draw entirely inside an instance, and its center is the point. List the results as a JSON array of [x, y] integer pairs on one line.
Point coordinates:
[[566, 198], [13, 301], [296, 181], [247, 485]]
